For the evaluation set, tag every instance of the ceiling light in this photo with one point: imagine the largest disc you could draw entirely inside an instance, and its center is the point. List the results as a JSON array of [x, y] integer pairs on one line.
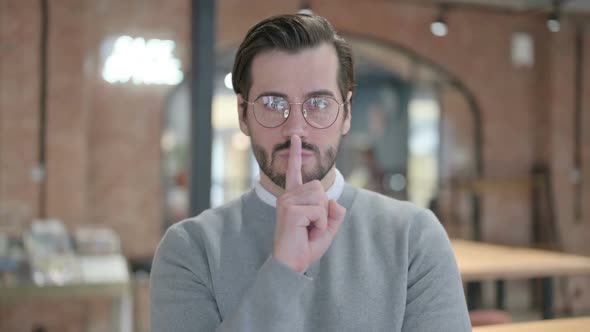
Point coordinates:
[[439, 26], [553, 21]]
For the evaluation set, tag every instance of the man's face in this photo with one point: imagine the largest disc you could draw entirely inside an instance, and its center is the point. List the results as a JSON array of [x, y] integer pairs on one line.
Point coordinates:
[[298, 76]]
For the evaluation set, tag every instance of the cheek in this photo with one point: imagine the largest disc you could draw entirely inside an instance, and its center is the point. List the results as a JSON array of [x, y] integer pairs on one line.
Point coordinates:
[[265, 139], [329, 137]]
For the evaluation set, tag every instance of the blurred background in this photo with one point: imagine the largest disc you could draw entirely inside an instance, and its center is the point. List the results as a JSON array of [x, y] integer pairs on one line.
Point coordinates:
[[476, 109]]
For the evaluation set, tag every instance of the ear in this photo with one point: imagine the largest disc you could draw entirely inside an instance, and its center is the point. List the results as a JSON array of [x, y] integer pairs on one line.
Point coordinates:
[[346, 124], [243, 121]]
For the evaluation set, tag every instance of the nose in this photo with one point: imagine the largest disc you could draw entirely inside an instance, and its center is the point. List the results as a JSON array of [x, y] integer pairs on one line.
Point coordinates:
[[295, 124]]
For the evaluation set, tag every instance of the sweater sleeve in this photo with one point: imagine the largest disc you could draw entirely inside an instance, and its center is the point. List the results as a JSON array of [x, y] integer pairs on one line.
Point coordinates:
[[182, 297], [435, 298]]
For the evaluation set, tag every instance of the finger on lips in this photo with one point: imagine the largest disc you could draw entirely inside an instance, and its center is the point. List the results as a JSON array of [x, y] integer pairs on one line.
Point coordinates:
[[294, 178]]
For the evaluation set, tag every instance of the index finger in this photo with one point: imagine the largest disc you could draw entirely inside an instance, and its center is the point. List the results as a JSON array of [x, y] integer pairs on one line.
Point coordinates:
[[293, 176]]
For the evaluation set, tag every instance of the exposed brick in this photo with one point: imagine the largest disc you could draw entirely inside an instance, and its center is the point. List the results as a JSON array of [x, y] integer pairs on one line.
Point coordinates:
[[104, 140]]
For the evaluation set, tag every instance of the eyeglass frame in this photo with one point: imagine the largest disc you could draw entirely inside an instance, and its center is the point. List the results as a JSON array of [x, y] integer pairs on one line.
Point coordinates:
[[301, 108]]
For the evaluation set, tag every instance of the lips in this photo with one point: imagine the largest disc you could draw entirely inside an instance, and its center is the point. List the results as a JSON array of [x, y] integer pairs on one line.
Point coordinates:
[[304, 154], [282, 150]]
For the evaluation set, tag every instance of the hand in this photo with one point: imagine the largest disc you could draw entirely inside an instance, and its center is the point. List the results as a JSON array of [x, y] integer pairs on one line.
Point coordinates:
[[306, 220]]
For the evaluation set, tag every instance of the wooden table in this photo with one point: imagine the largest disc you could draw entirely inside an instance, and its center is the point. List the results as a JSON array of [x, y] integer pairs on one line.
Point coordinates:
[[102, 276], [482, 261], [119, 293], [581, 324]]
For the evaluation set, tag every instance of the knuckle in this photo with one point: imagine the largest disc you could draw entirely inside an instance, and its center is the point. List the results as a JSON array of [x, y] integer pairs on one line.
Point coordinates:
[[289, 210], [318, 211], [317, 184]]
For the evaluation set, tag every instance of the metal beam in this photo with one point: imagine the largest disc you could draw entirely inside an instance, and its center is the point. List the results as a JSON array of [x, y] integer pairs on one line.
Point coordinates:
[[40, 172], [201, 90]]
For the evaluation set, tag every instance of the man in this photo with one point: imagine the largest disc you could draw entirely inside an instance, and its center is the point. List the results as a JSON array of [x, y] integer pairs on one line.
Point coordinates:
[[303, 250]]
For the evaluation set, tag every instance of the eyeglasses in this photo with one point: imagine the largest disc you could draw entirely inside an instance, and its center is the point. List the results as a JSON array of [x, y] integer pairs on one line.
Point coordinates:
[[319, 112]]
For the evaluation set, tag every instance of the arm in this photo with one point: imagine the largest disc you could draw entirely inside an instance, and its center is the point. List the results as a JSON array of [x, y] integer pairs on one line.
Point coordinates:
[[180, 294], [435, 299], [183, 299]]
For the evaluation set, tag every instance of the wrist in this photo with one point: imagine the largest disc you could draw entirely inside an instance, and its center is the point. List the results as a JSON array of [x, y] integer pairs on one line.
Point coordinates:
[[298, 268]]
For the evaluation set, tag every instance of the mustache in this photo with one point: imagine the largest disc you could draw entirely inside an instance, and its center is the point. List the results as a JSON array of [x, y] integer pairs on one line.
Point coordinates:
[[287, 145]]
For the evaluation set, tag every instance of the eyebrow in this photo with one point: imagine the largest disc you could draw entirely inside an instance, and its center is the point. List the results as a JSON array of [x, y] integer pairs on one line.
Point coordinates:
[[322, 92], [271, 93]]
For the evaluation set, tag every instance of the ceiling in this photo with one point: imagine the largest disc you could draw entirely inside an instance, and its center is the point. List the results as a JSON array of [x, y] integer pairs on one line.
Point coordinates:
[[569, 6]]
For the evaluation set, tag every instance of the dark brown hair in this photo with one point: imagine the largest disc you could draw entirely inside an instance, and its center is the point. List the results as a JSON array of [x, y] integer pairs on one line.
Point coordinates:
[[291, 33]]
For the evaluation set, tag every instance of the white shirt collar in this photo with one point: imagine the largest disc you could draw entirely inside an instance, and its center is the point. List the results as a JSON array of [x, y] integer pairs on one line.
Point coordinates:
[[333, 192]]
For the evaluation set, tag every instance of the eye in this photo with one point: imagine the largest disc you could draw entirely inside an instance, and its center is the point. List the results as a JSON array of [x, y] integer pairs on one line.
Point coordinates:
[[273, 103], [318, 103]]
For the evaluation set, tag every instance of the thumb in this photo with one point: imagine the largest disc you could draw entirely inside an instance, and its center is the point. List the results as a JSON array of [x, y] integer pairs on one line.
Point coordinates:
[[336, 214]]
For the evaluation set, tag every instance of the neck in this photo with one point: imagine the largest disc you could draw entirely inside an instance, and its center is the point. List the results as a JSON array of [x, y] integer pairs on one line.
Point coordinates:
[[277, 191]]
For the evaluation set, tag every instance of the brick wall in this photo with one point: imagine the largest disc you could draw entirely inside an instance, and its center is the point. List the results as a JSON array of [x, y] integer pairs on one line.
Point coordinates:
[[104, 140], [19, 77]]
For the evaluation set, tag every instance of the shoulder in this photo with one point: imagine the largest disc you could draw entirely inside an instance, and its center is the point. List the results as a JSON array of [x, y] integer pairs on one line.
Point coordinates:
[[374, 200], [415, 228], [381, 207], [209, 224], [213, 220]]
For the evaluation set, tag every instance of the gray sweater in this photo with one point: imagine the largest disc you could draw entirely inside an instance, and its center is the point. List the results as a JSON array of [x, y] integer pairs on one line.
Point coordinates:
[[390, 268]]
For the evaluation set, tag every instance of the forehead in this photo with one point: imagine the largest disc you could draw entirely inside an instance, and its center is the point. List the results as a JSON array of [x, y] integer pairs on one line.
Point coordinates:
[[295, 74]]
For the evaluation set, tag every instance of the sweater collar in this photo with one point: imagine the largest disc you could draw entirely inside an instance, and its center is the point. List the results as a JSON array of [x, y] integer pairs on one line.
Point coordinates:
[[333, 192]]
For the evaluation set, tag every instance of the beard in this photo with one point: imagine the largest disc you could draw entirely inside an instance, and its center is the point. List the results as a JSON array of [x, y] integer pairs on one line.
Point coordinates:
[[318, 172]]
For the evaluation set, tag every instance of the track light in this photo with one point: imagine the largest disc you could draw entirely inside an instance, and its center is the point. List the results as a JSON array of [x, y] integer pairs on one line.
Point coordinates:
[[553, 21], [439, 26]]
